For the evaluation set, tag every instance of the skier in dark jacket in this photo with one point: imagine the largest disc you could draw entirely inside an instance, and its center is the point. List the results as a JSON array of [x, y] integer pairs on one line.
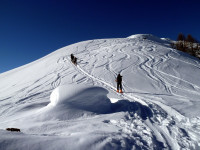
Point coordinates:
[[75, 61], [119, 83], [72, 57]]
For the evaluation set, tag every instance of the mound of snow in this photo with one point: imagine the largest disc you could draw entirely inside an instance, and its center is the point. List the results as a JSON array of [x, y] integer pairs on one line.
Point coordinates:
[[73, 101], [167, 40], [149, 37]]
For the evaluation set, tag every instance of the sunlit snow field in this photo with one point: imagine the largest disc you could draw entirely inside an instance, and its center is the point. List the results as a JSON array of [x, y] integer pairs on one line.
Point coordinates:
[[58, 105]]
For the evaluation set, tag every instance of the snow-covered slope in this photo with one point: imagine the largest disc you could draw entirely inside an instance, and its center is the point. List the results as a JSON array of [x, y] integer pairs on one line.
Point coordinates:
[[58, 105]]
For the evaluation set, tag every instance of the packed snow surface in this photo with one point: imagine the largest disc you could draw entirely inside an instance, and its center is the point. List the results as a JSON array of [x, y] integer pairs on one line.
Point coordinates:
[[58, 105]]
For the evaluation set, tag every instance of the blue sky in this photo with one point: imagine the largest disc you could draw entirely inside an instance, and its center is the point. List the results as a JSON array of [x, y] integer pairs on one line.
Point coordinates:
[[31, 29]]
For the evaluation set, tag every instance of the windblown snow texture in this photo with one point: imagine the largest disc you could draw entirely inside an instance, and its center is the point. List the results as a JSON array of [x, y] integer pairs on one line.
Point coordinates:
[[58, 105]]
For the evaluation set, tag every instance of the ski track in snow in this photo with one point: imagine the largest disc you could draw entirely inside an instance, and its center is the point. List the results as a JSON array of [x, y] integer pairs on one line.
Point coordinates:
[[158, 131], [98, 65]]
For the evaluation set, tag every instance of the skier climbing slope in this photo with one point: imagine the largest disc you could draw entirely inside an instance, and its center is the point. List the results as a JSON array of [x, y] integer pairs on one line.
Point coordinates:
[[119, 83]]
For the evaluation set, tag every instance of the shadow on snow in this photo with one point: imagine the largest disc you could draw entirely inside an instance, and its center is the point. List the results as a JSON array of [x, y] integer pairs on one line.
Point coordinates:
[[132, 107]]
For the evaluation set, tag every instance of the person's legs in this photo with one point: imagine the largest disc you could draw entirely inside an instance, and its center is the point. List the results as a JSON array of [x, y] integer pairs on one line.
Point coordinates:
[[117, 87], [120, 85], [74, 60]]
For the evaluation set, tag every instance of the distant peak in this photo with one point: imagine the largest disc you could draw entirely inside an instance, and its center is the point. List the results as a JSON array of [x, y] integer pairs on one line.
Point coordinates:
[[141, 36], [149, 37]]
